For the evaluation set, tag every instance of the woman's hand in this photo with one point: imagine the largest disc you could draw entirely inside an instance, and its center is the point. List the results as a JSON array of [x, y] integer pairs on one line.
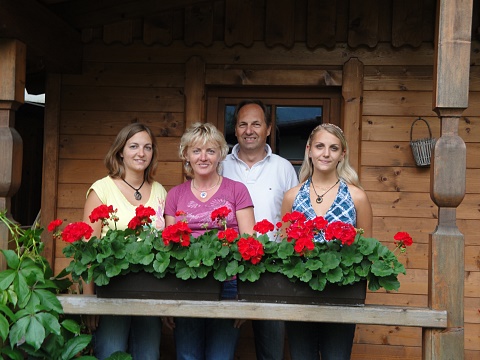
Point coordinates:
[[238, 323], [91, 321], [168, 322]]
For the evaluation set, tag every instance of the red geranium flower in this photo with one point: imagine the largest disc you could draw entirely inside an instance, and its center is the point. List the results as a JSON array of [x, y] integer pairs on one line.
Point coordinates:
[[144, 212], [142, 217], [54, 224], [341, 231], [101, 212], [293, 217], [299, 229], [178, 233], [228, 234], [403, 239], [134, 223], [76, 231], [263, 226], [319, 223], [304, 243], [220, 214], [250, 249]]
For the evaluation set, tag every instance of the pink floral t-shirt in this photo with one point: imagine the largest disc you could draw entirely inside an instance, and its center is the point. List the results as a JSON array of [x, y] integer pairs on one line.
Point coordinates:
[[231, 194]]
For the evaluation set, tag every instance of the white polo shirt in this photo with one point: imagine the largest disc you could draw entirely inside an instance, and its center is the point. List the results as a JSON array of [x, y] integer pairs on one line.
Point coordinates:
[[267, 181]]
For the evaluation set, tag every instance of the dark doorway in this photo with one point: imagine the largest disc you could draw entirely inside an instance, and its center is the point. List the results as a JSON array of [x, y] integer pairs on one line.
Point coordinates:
[[25, 204]]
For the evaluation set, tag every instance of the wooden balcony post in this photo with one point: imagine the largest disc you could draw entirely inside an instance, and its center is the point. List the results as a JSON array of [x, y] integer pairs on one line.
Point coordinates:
[[12, 88], [194, 91], [447, 178], [352, 94]]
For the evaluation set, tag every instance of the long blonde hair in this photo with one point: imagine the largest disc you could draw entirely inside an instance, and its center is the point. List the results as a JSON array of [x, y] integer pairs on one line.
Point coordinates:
[[344, 169]]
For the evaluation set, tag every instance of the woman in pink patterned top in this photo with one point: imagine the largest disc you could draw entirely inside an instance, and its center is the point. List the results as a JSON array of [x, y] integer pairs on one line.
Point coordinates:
[[202, 149]]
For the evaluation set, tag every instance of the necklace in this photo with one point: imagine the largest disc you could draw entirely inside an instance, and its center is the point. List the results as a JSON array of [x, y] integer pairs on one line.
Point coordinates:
[[203, 193], [319, 198], [136, 194]]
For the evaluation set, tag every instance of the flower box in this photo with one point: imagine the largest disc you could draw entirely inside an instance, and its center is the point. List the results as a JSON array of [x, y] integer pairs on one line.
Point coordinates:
[[277, 288], [142, 285], [223, 253]]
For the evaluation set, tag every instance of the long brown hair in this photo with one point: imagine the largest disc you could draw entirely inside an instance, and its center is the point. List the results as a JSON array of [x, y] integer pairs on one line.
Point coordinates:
[[114, 162]]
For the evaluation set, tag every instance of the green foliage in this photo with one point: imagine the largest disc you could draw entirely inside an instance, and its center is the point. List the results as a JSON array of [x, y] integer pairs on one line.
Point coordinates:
[[124, 251], [330, 262], [32, 322]]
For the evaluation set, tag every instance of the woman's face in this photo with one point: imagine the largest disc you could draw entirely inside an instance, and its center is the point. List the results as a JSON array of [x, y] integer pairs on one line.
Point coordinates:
[[137, 152], [204, 159], [325, 151]]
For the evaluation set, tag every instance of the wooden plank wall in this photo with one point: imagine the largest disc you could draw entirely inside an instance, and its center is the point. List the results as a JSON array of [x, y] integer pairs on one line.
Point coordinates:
[[394, 96], [109, 95], [145, 82]]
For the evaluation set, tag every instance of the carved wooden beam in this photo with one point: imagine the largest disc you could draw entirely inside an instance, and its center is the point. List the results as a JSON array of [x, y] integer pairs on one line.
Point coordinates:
[[12, 80], [92, 13], [48, 38], [447, 176]]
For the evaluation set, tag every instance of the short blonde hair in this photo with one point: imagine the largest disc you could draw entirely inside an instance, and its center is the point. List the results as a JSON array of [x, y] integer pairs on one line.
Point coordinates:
[[201, 133]]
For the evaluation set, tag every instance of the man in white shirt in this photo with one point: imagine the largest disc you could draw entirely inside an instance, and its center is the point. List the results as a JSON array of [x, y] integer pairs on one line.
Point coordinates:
[[267, 177]]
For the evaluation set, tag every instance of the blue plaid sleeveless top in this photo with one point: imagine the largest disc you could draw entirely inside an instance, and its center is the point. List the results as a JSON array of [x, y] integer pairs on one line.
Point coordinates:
[[342, 209]]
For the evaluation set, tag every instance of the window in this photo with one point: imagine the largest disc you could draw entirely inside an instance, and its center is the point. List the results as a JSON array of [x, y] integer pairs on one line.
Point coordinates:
[[294, 113]]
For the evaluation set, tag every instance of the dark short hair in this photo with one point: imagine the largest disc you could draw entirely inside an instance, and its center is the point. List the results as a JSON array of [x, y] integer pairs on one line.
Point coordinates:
[[242, 103], [114, 162]]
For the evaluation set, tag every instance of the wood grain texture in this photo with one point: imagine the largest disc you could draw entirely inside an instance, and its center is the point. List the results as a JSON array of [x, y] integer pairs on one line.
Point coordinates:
[[239, 22], [368, 314], [280, 23]]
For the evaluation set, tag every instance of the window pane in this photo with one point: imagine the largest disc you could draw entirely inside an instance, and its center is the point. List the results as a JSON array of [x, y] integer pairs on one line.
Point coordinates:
[[230, 126], [293, 125]]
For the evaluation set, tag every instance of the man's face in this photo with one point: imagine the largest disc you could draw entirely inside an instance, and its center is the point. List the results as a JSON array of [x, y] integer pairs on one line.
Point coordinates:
[[251, 129]]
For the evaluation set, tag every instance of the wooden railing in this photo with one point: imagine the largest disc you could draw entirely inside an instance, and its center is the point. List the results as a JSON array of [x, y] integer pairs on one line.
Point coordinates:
[[368, 314]]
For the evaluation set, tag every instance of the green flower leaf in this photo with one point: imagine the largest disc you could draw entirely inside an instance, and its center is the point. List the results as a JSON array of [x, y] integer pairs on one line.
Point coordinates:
[[183, 272], [49, 322], [6, 278], [350, 255], [139, 253], [12, 258], [380, 268], [251, 273], [21, 288], [366, 246], [101, 279], [363, 269], [233, 268], [49, 300], [330, 260], [4, 327], [72, 326], [389, 282], [220, 273], [285, 249], [161, 262], [335, 275], [318, 282], [75, 345], [313, 264]]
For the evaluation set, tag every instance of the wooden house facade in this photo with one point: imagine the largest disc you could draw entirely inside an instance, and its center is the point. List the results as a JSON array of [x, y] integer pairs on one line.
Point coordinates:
[[371, 65]]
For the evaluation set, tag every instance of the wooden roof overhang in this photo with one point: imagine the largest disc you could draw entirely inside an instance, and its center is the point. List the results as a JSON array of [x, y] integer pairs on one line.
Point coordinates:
[[54, 39]]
